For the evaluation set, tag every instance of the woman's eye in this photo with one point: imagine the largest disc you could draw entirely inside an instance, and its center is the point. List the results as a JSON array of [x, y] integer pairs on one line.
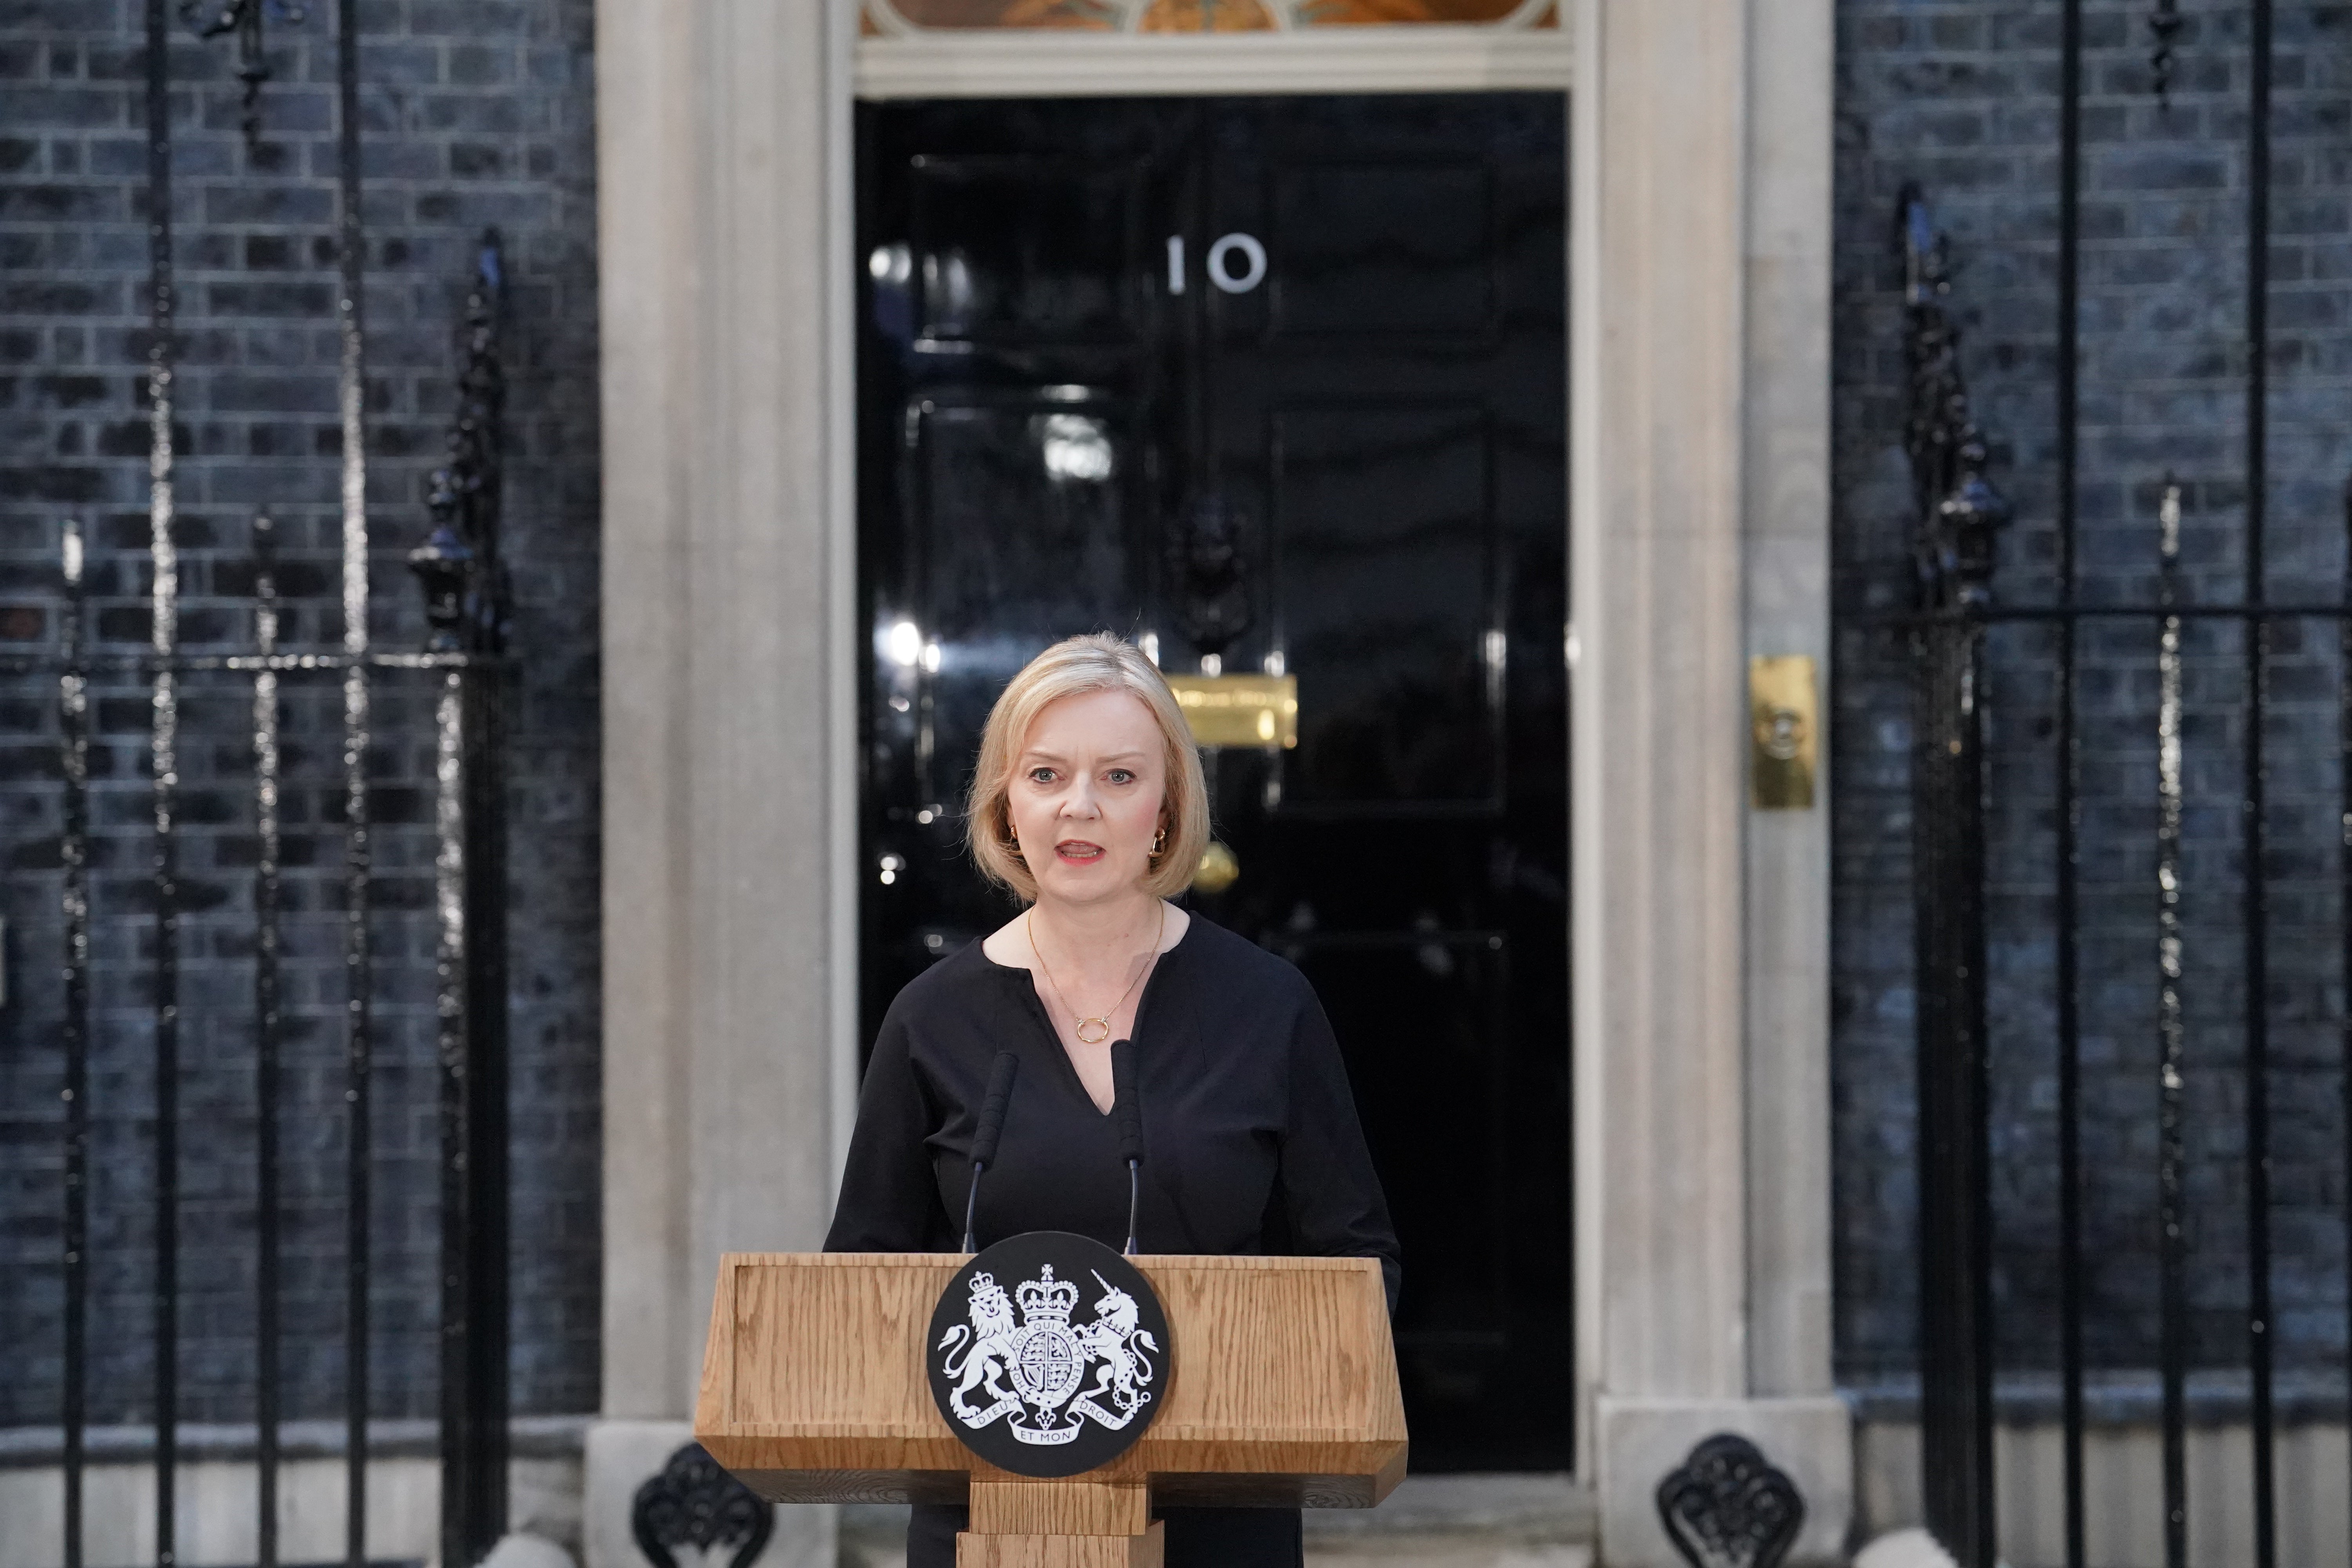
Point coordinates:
[[1120, 776], [1041, 775]]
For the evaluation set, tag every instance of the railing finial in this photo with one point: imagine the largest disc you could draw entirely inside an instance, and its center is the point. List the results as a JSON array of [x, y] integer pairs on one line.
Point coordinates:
[[1957, 509], [245, 18], [466, 596]]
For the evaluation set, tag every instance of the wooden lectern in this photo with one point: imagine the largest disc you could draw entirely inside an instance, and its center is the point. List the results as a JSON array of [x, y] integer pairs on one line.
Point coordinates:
[[1283, 1390]]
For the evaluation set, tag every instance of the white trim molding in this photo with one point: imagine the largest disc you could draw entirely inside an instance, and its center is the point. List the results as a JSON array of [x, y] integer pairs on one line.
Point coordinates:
[[1130, 16], [729, 810], [1403, 59], [1785, 529], [1699, 334]]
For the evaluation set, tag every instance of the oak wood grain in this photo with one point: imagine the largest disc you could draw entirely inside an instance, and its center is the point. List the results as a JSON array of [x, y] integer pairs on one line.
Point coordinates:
[[1060, 1508], [974, 1549], [1283, 1378]]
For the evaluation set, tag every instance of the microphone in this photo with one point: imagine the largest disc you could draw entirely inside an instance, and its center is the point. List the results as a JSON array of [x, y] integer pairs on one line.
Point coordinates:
[[1128, 1111], [984, 1138]]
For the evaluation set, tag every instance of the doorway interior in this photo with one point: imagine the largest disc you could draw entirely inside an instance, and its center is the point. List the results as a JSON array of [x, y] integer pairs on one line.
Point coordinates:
[[1276, 387]]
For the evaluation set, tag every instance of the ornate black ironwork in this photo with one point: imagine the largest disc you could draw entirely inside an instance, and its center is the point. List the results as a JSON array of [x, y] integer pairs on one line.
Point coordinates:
[[1726, 1507], [469, 889], [1957, 513], [269, 1035], [211, 18], [2066, 750], [1209, 565], [2164, 26], [73, 728], [1957, 508], [1954, 1145], [693, 1502], [359, 827], [466, 593], [2172, 1037], [2344, 902], [1950, 803], [443, 564], [2254, 908], [163, 729], [466, 600]]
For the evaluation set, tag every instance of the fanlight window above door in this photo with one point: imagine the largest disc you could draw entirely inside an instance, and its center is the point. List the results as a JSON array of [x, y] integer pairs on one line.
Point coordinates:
[[901, 17]]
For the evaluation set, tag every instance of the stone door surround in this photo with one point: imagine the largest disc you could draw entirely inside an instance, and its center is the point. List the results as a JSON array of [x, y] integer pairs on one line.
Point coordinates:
[[1699, 434]]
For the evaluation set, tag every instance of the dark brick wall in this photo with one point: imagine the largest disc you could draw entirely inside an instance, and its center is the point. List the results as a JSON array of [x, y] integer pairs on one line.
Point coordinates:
[[1963, 97], [480, 112], [477, 112]]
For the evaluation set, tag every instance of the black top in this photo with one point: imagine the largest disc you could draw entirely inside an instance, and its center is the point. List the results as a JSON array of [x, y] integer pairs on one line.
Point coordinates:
[[1251, 1145]]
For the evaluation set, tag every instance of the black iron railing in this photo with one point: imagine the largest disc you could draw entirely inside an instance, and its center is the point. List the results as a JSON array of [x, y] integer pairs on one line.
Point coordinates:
[[466, 668], [1958, 513]]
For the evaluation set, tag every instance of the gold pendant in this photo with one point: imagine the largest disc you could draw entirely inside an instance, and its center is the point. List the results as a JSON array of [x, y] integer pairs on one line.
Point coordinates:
[[1087, 1040]]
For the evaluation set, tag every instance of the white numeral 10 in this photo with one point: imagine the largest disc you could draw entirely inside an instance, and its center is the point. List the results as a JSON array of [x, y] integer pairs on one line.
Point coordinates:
[[1221, 263]]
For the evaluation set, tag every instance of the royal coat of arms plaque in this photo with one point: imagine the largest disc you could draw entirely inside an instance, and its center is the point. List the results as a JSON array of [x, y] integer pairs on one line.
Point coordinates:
[[1049, 1354]]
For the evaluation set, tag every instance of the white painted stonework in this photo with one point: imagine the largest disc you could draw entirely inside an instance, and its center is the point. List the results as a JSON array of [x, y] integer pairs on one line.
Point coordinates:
[[621, 1456], [520, 1551], [1462, 1521], [730, 969], [1911, 1548], [2123, 1467], [214, 1516], [1639, 1440], [1700, 264]]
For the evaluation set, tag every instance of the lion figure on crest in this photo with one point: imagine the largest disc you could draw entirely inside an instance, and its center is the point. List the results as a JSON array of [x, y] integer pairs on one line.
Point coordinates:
[[982, 1362]]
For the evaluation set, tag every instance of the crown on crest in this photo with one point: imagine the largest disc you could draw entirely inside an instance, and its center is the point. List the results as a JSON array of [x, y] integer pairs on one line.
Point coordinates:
[[1045, 1299]]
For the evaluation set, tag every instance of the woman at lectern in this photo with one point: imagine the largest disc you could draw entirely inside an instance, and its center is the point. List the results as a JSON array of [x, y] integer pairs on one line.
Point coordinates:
[[1088, 805]]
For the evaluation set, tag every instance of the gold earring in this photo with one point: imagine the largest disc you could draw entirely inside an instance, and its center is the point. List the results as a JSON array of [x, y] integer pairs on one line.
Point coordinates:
[[1160, 844]]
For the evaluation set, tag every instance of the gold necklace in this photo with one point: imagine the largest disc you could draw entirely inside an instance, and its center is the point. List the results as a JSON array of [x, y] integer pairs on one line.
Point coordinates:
[[1029, 929]]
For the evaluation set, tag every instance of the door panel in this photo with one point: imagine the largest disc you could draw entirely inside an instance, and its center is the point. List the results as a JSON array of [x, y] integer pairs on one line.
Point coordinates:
[[1382, 250], [1349, 468], [1019, 250], [1383, 544], [1053, 465]]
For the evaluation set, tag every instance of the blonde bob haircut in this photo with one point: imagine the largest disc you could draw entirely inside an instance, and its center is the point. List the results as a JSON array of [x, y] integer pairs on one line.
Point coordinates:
[[1070, 668]]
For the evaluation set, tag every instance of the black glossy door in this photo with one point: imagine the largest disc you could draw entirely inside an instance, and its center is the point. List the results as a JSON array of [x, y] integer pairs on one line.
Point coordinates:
[[1329, 446]]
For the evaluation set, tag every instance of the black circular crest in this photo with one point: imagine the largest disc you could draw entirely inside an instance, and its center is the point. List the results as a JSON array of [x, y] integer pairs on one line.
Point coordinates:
[[1049, 1354]]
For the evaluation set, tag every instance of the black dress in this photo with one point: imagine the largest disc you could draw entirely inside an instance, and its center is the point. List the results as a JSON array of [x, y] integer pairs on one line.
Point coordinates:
[[1251, 1145]]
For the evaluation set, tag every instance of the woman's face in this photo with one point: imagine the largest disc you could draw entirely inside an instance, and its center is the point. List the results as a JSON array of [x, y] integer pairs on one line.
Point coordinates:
[[1085, 796]]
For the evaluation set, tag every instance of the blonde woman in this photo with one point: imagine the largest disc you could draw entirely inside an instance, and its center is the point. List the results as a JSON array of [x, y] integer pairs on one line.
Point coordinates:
[[1088, 804]]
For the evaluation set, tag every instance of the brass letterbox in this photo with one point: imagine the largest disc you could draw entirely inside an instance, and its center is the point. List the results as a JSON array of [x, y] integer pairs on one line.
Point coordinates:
[[1259, 710]]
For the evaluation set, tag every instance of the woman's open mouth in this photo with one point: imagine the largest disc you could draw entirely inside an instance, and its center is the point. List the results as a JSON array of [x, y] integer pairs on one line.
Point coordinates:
[[1079, 850]]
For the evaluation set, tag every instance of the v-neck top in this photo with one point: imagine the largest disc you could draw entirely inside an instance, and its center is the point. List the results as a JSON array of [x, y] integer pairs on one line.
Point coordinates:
[[1251, 1140]]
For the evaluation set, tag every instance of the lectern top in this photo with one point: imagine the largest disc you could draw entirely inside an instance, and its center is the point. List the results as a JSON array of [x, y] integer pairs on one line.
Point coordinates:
[[1284, 1385]]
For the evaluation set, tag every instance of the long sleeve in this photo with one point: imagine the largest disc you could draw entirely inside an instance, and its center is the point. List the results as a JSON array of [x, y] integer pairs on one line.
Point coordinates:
[[889, 1200], [1330, 1192]]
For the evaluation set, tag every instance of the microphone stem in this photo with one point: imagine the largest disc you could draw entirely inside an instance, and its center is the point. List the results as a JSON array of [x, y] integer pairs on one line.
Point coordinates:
[[970, 1203], [1134, 1200]]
